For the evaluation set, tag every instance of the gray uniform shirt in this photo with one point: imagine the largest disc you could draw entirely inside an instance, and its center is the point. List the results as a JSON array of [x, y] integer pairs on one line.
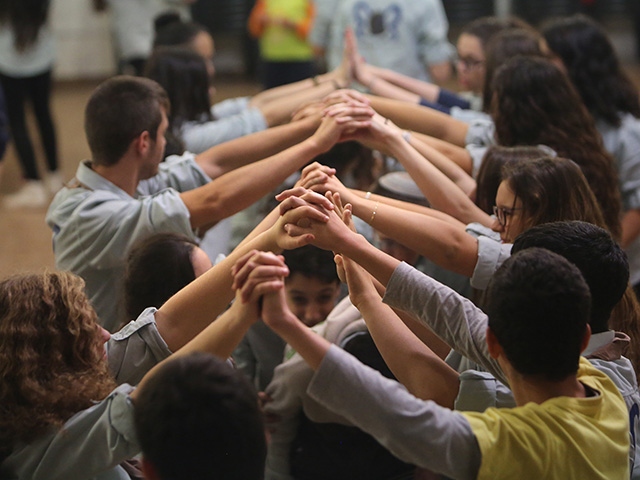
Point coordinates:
[[95, 223], [94, 441], [463, 326], [416, 431], [233, 118]]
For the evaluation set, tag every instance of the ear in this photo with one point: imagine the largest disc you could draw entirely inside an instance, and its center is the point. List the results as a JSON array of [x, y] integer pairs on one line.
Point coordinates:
[[495, 349], [586, 338], [148, 470], [142, 143]]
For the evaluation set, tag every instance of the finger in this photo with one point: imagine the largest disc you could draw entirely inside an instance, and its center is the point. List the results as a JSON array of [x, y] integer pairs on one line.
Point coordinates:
[[315, 179], [255, 261], [292, 192], [307, 211], [242, 261], [263, 288], [258, 275]]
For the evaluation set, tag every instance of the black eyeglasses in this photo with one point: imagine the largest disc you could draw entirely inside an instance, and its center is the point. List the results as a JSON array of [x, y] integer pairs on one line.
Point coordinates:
[[503, 213], [469, 63]]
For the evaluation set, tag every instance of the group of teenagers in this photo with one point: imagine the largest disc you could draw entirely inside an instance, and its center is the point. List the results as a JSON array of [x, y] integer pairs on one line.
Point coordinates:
[[529, 187]]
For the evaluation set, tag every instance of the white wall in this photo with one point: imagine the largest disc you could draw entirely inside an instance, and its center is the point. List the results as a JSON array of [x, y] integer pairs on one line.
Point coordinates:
[[83, 40]]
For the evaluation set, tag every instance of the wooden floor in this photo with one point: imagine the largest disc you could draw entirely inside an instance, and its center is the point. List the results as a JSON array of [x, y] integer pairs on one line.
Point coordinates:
[[25, 240]]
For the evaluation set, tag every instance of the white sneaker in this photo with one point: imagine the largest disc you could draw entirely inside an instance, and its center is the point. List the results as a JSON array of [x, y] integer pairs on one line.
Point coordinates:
[[32, 195], [54, 182]]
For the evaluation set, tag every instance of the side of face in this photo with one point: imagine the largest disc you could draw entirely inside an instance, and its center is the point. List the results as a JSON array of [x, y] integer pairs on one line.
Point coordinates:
[[514, 224], [155, 152], [471, 67], [310, 298]]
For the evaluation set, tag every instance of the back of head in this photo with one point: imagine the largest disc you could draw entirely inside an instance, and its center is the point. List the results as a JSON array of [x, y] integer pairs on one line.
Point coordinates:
[[183, 75], [533, 98], [490, 171], [176, 33], [538, 307], [552, 189], [157, 267], [119, 110], [503, 46], [51, 351], [198, 419], [597, 255], [311, 262], [593, 66]]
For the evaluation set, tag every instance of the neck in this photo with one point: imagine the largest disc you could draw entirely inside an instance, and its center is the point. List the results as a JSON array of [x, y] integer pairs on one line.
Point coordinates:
[[123, 175], [534, 389]]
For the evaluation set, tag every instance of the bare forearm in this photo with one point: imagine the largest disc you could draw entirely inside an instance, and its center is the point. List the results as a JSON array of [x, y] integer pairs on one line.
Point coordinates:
[[279, 111], [421, 119], [194, 307], [427, 168], [233, 154], [426, 90], [413, 363], [243, 186], [445, 244], [458, 155]]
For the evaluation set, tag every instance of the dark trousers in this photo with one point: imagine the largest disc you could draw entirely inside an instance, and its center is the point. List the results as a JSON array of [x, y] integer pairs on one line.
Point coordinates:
[[37, 90], [281, 73]]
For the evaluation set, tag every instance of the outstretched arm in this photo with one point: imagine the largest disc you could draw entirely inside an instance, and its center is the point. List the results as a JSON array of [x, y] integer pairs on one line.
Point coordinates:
[[421, 119], [241, 187], [227, 156], [413, 363], [441, 192], [426, 435], [190, 310]]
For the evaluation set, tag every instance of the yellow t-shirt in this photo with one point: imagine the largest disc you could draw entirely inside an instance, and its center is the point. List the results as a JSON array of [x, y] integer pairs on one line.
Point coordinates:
[[563, 438]]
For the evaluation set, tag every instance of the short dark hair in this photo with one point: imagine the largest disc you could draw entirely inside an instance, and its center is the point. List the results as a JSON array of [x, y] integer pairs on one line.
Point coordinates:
[[119, 110], [538, 306], [311, 262], [197, 418], [597, 255], [173, 33], [157, 267]]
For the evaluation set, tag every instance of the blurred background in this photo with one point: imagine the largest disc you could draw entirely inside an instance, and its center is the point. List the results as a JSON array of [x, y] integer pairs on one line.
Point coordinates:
[[85, 57]]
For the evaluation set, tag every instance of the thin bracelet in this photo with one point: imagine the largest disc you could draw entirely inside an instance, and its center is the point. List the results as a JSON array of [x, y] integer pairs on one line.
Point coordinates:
[[367, 195], [316, 81], [373, 215]]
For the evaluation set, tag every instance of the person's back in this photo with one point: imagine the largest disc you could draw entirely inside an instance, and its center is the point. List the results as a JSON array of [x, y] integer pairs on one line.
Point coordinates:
[[122, 194]]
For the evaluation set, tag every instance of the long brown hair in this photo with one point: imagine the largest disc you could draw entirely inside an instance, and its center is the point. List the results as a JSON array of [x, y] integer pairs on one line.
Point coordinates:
[[535, 103], [51, 355], [552, 189]]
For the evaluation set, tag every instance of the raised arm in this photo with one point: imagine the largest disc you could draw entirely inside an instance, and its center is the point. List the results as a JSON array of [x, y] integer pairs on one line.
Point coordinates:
[[441, 192], [421, 119], [445, 244], [190, 310], [413, 363], [243, 186], [227, 156]]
